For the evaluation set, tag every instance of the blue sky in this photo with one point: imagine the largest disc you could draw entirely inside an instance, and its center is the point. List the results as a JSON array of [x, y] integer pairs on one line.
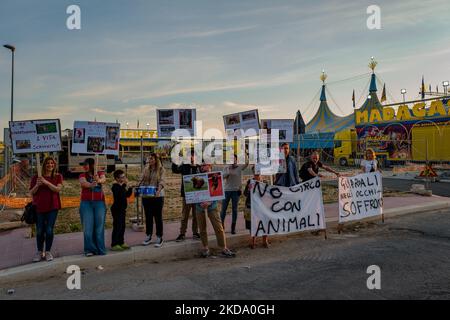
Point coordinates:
[[131, 57]]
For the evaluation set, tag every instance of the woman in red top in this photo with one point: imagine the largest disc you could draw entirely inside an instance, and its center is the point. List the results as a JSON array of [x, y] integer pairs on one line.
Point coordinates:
[[45, 191]]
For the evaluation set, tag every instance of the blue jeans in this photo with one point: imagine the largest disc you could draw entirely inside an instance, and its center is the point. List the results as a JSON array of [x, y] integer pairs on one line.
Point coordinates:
[[234, 196], [93, 215], [44, 229]]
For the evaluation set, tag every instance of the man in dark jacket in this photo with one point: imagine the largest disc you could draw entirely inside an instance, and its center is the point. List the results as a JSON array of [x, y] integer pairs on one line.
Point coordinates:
[[187, 169], [290, 177]]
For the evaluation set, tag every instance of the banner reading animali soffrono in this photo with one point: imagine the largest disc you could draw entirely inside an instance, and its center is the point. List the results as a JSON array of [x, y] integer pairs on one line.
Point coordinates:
[[281, 210], [360, 196]]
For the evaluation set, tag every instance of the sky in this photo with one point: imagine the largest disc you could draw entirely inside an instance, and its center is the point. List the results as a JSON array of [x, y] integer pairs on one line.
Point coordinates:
[[131, 57]]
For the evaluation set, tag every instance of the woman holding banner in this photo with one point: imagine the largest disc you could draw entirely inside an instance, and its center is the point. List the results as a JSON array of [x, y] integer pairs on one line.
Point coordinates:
[[92, 208], [45, 190], [370, 164], [248, 209], [153, 179]]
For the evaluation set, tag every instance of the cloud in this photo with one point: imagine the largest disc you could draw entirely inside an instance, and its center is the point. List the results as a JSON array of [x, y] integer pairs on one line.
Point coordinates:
[[210, 33]]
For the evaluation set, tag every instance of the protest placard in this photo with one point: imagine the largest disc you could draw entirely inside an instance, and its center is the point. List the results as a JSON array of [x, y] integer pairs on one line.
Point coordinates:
[[360, 196], [182, 120], [202, 187], [243, 124], [35, 136], [96, 138], [285, 129], [282, 210]]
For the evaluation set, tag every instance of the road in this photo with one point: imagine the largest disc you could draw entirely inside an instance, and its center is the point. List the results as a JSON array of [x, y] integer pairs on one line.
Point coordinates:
[[438, 188], [411, 251]]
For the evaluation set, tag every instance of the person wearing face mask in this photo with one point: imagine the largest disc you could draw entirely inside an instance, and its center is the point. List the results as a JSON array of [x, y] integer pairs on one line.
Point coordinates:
[[233, 186]]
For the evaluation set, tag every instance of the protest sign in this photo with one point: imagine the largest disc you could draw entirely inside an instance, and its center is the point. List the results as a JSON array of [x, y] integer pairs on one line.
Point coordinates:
[[282, 210], [243, 124], [285, 129], [169, 120], [96, 138], [35, 136], [360, 196], [202, 187]]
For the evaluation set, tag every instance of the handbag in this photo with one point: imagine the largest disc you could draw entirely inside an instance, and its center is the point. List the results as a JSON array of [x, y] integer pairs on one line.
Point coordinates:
[[29, 214]]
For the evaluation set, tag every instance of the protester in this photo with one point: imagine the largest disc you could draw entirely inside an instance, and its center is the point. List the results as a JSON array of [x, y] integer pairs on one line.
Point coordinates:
[[310, 169], [153, 176], [370, 163], [119, 210], [233, 190], [210, 208], [248, 210], [187, 169], [92, 209], [290, 177], [45, 191]]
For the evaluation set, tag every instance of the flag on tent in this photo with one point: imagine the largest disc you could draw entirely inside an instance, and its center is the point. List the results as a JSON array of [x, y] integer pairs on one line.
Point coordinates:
[[383, 94], [423, 89], [353, 98]]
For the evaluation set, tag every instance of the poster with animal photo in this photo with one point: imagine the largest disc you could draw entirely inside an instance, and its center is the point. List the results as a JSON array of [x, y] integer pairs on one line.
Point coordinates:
[[203, 187], [285, 129], [35, 136], [96, 137], [243, 124], [178, 121]]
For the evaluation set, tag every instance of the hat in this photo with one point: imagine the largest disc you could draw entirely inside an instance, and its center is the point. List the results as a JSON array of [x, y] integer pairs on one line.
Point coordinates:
[[87, 161]]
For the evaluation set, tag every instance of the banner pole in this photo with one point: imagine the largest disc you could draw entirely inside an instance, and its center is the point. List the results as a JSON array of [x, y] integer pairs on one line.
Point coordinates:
[[325, 234], [96, 164], [38, 165]]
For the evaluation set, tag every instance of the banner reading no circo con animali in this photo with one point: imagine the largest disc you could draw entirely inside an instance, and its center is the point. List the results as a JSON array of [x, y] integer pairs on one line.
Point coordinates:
[[282, 210]]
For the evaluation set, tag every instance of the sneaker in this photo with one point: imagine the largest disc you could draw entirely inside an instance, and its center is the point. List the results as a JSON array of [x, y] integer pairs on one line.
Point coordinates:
[[89, 254], [117, 248], [196, 236], [37, 257], [180, 238], [205, 253], [227, 253], [48, 256], [147, 241], [125, 246], [159, 242]]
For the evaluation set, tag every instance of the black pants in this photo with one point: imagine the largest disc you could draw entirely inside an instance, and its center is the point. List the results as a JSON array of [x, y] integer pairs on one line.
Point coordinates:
[[119, 224], [153, 210]]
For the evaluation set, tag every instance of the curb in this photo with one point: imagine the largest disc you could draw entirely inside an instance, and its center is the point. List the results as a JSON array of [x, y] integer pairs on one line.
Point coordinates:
[[170, 250]]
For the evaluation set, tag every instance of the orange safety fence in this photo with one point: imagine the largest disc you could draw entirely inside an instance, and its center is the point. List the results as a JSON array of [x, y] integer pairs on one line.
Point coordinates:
[[66, 202]]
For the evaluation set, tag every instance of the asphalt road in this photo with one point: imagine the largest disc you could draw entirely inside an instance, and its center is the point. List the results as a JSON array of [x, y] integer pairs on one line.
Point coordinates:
[[411, 251]]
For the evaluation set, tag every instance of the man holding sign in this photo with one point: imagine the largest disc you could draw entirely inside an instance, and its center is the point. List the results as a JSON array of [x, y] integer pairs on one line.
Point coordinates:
[[209, 208]]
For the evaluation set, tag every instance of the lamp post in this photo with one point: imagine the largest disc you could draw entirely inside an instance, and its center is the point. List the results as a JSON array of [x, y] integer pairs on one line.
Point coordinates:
[[403, 92], [445, 84], [128, 124], [13, 49], [148, 126]]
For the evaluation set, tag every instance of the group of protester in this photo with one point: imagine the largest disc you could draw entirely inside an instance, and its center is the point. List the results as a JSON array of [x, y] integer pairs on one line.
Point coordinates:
[[45, 191]]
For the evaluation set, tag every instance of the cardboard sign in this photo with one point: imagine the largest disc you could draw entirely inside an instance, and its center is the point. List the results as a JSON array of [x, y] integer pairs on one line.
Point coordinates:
[[285, 129], [360, 196], [202, 187], [169, 120], [35, 136], [243, 124], [282, 210], [96, 138]]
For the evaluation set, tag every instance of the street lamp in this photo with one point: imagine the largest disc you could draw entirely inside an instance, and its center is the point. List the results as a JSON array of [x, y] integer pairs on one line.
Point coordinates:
[[128, 124], [148, 125], [12, 48], [403, 92], [445, 84]]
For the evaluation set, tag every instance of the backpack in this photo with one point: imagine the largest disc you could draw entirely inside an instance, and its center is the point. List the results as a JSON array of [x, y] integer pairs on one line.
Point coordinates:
[[29, 214]]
